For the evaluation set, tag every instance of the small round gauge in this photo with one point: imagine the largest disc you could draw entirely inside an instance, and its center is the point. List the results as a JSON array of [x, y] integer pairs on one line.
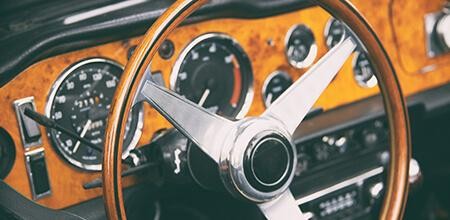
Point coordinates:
[[80, 101], [335, 32], [363, 71], [301, 48], [275, 84], [215, 72]]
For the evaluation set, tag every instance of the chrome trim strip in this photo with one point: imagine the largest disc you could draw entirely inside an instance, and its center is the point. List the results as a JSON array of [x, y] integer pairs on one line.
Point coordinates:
[[99, 11], [340, 185], [28, 155]]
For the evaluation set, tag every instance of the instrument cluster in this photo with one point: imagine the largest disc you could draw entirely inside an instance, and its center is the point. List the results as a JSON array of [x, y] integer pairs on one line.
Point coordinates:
[[213, 71]]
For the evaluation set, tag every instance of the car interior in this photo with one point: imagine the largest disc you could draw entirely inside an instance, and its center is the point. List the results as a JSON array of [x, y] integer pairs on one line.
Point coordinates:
[[224, 109]]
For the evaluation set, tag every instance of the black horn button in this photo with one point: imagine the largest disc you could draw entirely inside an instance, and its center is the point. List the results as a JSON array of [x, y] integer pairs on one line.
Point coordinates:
[[268, 163]]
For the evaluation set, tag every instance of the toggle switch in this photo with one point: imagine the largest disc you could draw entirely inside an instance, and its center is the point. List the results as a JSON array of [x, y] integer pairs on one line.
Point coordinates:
[[29, 129], [37, 173]]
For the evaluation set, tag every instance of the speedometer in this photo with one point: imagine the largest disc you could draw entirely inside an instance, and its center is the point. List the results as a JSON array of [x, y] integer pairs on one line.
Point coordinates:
[[80, 101]]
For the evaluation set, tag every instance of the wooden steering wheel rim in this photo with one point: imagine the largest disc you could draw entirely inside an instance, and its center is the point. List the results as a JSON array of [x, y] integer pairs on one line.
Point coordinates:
[[400, 148]]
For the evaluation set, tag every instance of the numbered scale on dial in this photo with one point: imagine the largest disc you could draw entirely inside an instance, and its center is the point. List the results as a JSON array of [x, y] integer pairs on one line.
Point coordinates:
[[80, 101]]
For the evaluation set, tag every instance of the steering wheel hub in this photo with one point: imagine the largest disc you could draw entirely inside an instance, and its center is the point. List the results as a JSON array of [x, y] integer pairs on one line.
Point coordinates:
[[259, 164], [268, 163]]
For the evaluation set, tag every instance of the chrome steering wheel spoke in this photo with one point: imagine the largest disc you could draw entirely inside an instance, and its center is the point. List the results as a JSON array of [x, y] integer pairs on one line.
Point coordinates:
[[212, 132], [295, 103], [207, 130], [284, 207]]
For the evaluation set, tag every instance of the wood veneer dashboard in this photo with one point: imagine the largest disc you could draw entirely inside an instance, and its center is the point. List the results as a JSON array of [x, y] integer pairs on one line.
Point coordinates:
[[254, 36]]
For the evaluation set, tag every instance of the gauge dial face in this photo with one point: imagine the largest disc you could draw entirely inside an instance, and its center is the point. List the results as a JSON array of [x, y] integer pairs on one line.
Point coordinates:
[[301, 48], [214, 72], [275, 85], [80, 101], [363, 71], [334, 32]]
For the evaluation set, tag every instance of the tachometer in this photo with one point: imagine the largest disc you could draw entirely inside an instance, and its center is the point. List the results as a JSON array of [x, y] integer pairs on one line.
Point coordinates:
[[80, 100], [215, 72]]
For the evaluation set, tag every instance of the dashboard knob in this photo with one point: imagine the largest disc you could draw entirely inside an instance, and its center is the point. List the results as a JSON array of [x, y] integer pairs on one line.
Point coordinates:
[[443, 31], [415, 173]]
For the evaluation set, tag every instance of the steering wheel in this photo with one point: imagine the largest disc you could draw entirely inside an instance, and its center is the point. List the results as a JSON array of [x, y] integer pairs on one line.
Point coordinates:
[[241, 148]]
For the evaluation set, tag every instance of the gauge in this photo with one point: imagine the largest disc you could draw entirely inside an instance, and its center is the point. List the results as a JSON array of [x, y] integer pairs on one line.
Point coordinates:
[[334, 33], [275, 85], [215, 72], [301, 48], [80, 101], [363, 71]]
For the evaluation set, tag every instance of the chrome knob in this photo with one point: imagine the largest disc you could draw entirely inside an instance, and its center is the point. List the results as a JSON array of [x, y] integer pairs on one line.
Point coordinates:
[[443, 31], [375, 190], [415, 173]]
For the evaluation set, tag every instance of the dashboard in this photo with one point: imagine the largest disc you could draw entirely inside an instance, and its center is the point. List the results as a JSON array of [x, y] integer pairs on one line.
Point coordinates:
[[234, 67]]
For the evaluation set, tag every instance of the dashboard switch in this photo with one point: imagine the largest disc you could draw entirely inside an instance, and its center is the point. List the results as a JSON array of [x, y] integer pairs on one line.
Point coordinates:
[[37, 173], [29, 129]]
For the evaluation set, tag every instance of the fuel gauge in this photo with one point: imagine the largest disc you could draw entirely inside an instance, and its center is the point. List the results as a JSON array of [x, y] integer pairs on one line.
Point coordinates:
[[275, 85]]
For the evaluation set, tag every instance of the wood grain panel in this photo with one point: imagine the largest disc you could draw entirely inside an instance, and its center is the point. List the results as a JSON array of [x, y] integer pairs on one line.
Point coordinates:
[[252, 34], [409, 34]]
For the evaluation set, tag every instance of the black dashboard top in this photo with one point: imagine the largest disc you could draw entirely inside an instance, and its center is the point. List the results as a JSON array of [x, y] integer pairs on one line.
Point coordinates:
[[27, 36]]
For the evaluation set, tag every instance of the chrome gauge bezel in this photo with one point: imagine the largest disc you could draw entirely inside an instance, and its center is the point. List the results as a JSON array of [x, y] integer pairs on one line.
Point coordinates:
[[214, 35], [51, 98], [372, 82], [313, 49]]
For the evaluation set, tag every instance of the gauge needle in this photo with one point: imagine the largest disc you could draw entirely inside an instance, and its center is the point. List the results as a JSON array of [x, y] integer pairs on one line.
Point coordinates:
[[204, 97], [83, 133]]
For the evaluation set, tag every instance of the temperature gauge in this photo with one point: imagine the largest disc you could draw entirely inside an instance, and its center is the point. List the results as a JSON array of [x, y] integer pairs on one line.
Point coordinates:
[[275, 85]]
